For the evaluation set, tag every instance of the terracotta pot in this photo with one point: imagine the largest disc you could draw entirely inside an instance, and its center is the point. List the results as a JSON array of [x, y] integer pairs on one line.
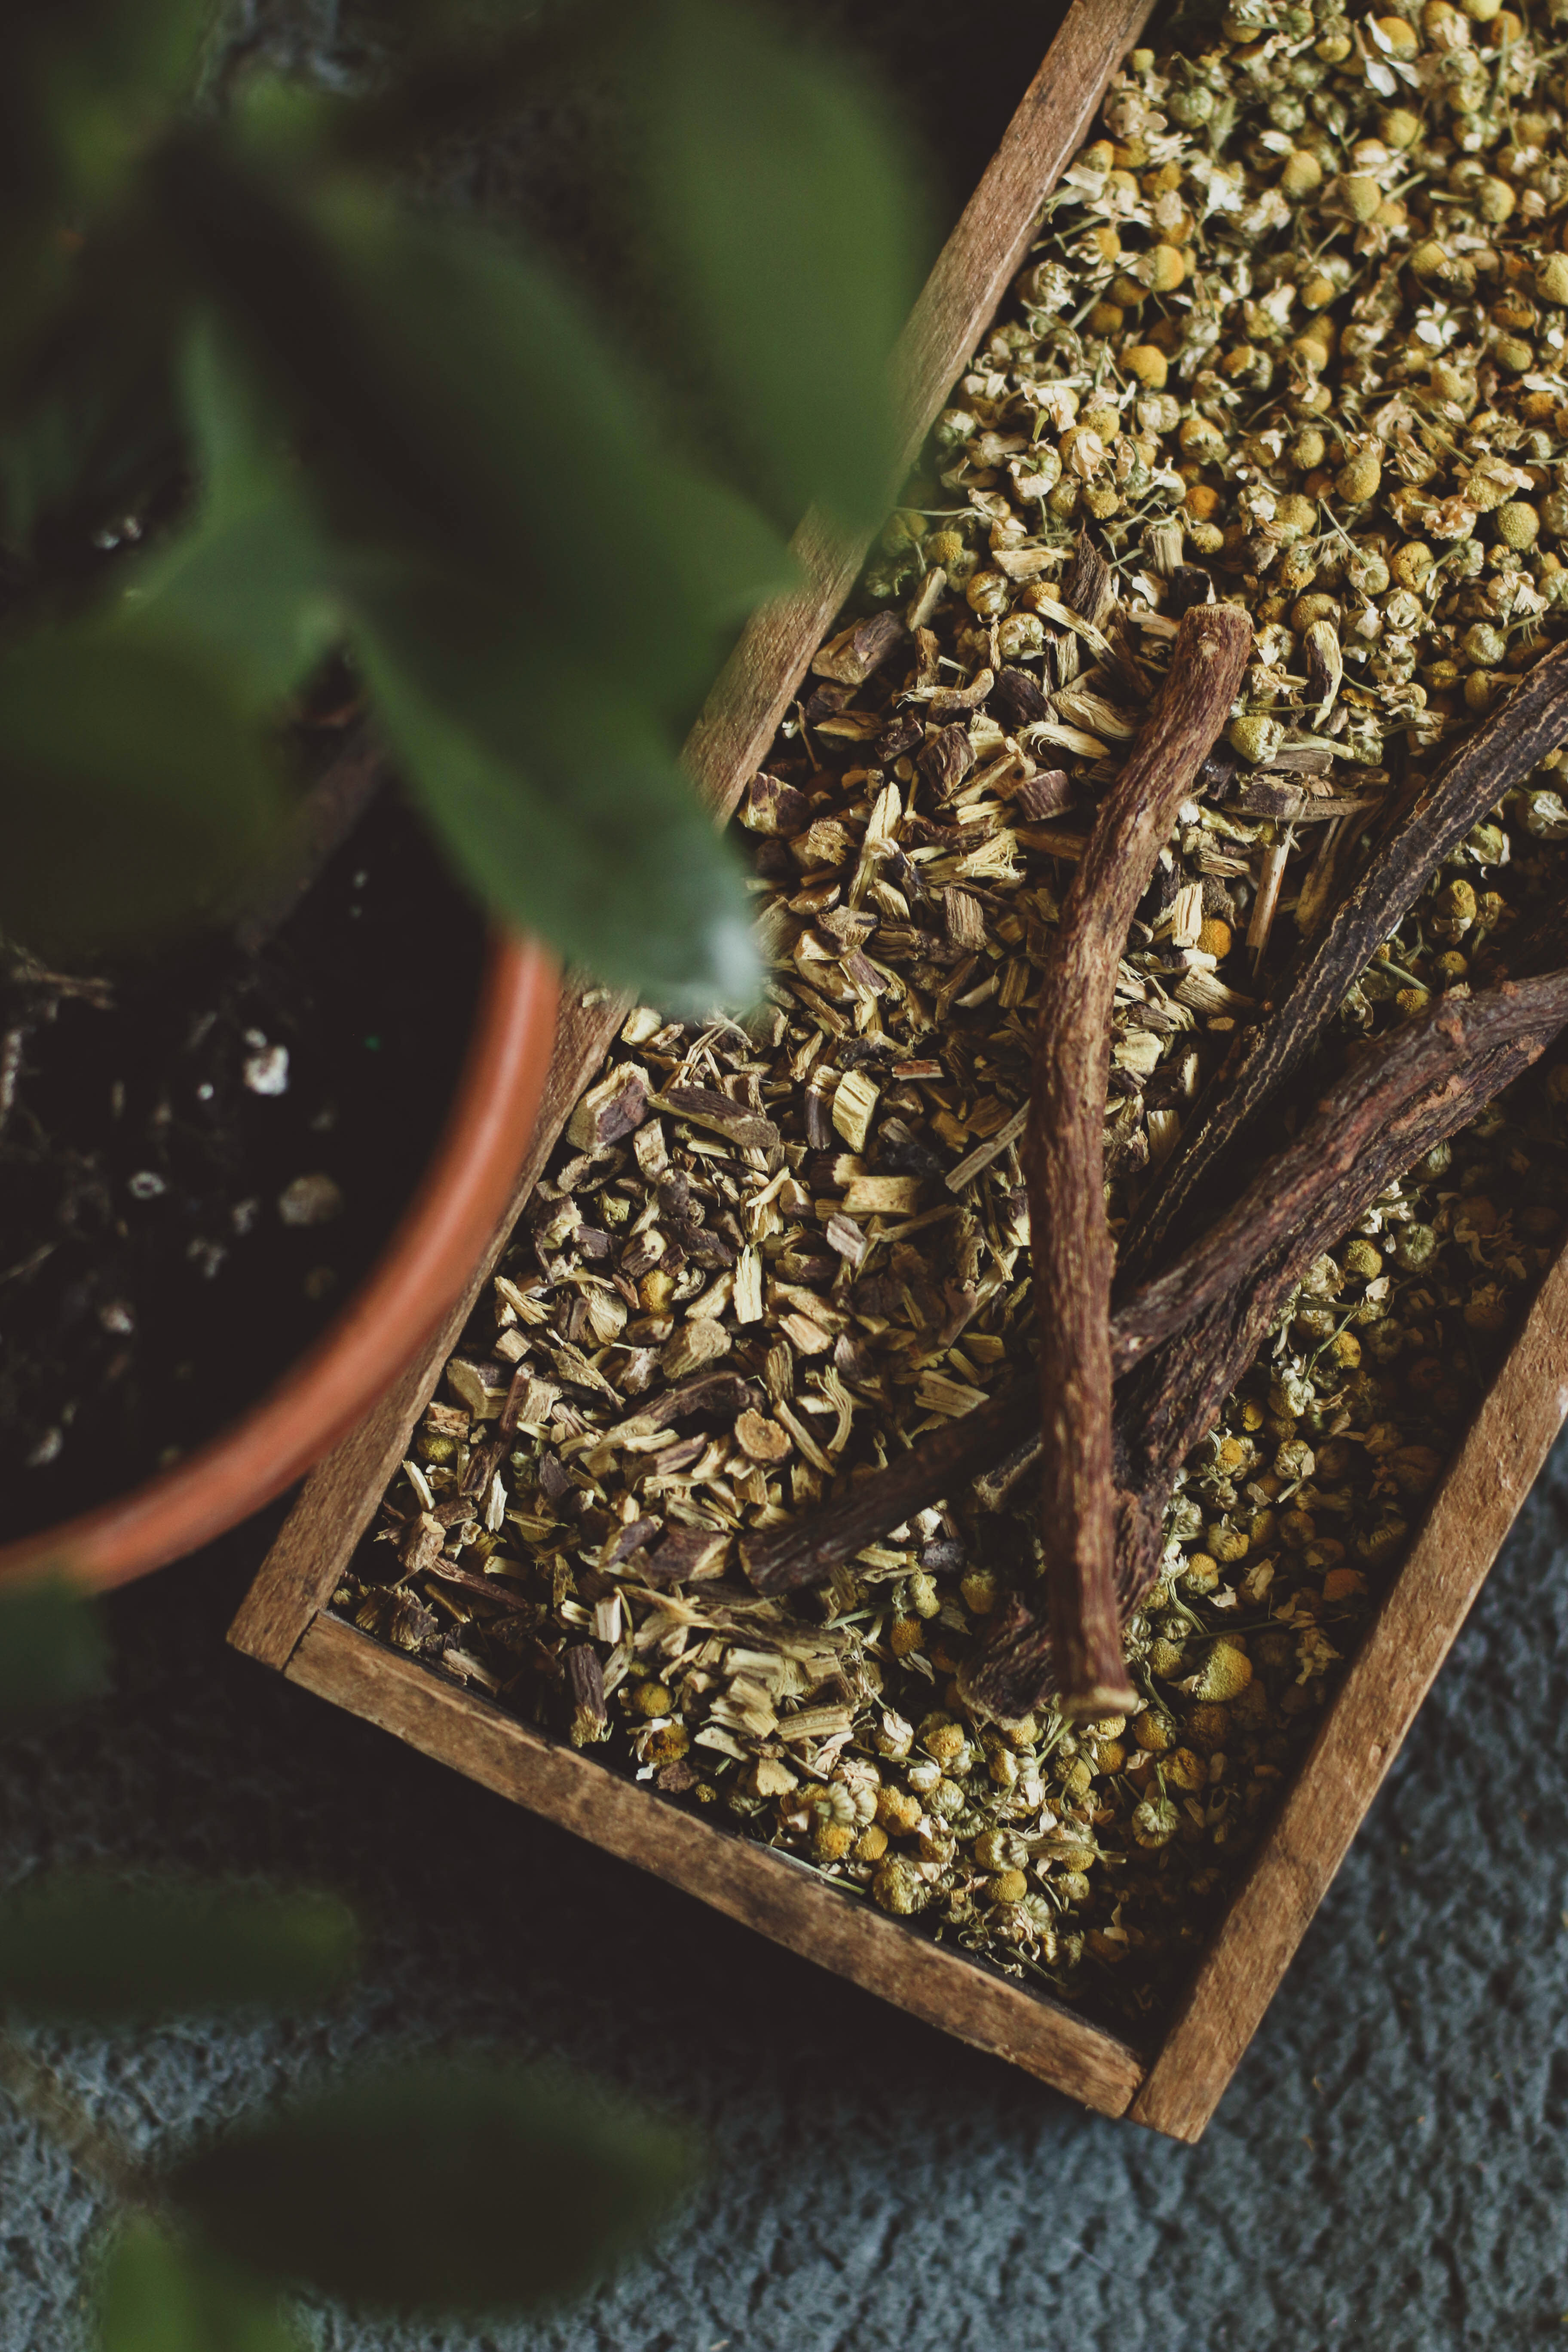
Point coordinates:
[[428, 1259]]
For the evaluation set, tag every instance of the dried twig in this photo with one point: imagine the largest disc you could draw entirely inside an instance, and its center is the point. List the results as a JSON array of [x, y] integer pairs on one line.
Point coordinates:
[[808, 1549], [1064, 1157], [1530, 722]]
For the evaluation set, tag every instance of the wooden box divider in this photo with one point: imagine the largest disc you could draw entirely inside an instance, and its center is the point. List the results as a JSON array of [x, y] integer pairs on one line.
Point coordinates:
[[1175, 2087]]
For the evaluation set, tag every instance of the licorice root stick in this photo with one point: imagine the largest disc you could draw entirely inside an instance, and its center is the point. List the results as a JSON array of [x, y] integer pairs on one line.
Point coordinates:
[[1065, 1156]]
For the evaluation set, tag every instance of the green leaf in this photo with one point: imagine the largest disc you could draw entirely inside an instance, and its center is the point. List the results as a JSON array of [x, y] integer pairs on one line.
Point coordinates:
[[436, 2187], [52, 1650], [794, 225], [85, 86], [157, 2294], [79, 1946], [244, 588], [248, 584], [461, 416], [561, 801], [136, 787]]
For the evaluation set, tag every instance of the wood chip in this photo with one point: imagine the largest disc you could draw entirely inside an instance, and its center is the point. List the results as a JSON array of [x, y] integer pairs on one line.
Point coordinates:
[[760, 1439], [946, 761], [856, 651], [976, 1161], [748, 1289], [686, 1555], [701, 1341], [881, 1196], [482, 1390], [855, 1104], [704, 1106], [585, 1685], [610, 1109]]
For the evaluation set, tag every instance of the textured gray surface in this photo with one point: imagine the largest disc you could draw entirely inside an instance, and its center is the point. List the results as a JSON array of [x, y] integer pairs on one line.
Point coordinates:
[[1387, 2171]]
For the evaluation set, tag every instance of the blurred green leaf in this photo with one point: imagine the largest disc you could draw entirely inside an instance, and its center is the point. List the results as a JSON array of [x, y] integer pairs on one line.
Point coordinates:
[[136, 788], [561, 802], [437, 2187], [794, 225], [460, 415], [52, 1649], [158, 2294], [79, 1946], [248, 581], [89, 444], [86, 86]]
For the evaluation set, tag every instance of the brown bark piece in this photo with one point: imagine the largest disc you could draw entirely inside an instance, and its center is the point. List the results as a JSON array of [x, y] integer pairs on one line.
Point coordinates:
[[705, 1106], [723, 1393], [856, 651], [610, 1109], [946, 761], [1017, 698], [809, 1548], [1088, 586], [770, 805], [422, 1544], [585, 1688], [1064, 1157], [1043, 795], [686, 1554]]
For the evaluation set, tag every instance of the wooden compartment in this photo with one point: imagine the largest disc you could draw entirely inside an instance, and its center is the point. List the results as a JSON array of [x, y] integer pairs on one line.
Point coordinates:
[[1174, 2087]]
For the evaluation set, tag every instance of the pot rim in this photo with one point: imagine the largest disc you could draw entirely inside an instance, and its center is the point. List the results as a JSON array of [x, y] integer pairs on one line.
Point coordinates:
[[432, 1252]]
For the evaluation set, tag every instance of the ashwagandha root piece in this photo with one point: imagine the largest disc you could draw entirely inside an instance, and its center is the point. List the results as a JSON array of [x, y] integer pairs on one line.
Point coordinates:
[[1531, 721], [1065, 1153], [1428, 1081], [1416, 1083]]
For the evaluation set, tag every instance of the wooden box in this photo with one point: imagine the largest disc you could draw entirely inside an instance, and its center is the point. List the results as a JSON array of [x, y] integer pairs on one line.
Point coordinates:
[[283, 1623]]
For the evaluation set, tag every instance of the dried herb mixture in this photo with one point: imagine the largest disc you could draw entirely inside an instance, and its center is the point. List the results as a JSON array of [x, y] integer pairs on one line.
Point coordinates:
[[1293, 336]]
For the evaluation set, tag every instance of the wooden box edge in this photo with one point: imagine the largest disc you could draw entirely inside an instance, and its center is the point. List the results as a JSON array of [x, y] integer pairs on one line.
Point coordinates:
[[279, 1623], [1364, 1724], [774, 1894]]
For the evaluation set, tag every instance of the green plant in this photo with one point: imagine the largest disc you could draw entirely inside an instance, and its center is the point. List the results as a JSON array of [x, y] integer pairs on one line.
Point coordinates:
[[425, 2185], [338, 419]]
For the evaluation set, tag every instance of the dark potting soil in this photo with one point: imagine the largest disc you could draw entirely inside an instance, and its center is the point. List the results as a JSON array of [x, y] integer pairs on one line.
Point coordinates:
[[202, 1155]]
